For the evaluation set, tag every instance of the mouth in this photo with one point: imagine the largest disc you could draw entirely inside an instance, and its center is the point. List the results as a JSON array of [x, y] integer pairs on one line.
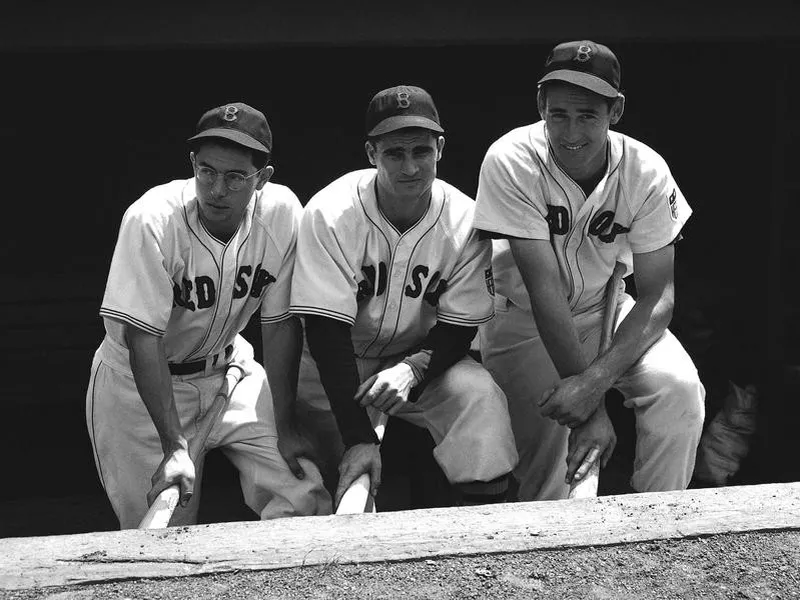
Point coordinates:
[[573, 147]]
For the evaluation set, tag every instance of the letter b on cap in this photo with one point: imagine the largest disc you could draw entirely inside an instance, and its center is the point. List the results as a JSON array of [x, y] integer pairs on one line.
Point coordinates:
[[403, 99]]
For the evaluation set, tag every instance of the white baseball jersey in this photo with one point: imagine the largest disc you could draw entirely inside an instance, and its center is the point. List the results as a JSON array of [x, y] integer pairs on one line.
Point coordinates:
[[523, 192], [355, 266], [170, 277]]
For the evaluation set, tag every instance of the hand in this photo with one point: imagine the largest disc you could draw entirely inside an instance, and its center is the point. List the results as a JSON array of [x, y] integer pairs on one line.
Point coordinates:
[[592, 441], [573, 400], [292, 445], [357, 460], [387, 390], [176, 468]]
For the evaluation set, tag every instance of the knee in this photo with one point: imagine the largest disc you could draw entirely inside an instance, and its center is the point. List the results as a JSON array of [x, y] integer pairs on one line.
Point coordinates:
[[680, 400]]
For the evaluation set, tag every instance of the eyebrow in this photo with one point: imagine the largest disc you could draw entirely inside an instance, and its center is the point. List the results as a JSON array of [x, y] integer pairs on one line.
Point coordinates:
[[205, 164]]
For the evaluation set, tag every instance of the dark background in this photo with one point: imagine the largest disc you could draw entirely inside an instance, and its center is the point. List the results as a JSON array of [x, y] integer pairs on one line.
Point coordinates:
[[97, 104]]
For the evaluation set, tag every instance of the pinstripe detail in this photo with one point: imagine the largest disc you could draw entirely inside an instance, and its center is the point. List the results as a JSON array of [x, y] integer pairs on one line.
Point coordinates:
[[92, 429], [121, 316], [322, 312], [202, 342], [281, 317], [453, 320], [388, 245]]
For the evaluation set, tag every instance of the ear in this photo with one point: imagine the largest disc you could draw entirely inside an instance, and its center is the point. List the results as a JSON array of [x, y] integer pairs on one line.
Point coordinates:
[[617, 109], [192, 159], [541, 103], [439, 147], [265, 176], [370, 149]]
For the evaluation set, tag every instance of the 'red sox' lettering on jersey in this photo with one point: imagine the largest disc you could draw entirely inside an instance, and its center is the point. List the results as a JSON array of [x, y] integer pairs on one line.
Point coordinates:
[[632, 209], [169, 274], [395, 286]]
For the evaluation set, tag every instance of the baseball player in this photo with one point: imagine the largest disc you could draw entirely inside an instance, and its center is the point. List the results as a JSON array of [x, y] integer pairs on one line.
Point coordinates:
[[193, 261], [565, 199], [392, 282]]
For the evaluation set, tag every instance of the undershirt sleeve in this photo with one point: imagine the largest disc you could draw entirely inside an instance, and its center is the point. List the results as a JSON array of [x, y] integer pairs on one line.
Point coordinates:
[[444, 345], [331, 346]]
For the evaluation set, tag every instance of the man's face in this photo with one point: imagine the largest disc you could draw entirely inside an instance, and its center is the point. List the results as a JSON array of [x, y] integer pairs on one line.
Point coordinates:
[[406, 161], [577, 122], [222, 209]]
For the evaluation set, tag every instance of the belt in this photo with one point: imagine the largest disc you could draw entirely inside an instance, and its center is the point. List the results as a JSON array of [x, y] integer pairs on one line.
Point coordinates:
[[195, 366]]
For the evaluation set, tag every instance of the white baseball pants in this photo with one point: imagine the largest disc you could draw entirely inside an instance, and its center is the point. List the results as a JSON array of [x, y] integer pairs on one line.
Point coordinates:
[[463, 409], [663, 389], [127, 448]]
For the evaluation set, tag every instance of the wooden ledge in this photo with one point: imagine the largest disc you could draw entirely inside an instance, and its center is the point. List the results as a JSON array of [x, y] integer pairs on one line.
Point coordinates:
[[176, 552]]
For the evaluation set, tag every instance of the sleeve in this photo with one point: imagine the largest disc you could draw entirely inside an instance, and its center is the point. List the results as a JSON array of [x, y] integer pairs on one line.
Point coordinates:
[[331, 346], [324, 281], [275, 306], [504, 204], [444, 345], [139, 290], [659, 220], [466, 300]]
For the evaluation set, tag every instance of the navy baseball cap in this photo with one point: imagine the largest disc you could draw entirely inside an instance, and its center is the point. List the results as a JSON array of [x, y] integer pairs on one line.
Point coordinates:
[[586, 64], [402, 106], [237, 122]]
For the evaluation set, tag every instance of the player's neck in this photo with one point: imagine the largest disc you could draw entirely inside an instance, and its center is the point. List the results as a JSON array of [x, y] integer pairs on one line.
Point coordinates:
[[403, 212], [222, 232]]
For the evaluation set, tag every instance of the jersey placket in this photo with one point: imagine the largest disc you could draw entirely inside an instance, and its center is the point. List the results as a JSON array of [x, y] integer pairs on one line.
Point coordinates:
[[398, 271]]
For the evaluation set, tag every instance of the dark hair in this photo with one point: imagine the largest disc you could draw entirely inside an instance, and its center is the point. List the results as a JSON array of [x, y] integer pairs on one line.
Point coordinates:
[[543, 90], [260, 159]]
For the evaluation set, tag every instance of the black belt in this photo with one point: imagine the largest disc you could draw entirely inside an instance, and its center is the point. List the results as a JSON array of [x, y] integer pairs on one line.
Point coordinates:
[[195, 366]]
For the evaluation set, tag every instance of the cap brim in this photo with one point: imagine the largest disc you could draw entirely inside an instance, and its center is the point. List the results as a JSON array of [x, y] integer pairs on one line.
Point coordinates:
[[584, 80], [233, 135], [402, 121]]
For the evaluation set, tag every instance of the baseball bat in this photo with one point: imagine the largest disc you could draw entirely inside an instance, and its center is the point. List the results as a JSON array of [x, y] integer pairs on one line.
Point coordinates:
[[586, 487], [160, 512], [357, 499]]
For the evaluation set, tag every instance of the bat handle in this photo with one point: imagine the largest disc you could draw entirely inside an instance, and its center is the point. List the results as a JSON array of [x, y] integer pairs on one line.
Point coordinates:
[[356, 499], [586, 487], [160, 512]]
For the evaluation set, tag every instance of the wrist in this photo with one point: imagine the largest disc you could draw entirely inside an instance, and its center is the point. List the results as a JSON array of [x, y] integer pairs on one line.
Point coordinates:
[[414, 374], [173, 444]]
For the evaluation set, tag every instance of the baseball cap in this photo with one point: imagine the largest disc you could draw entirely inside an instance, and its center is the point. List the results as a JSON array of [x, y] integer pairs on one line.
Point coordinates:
[[586, 64], [402, 106], [237, 122]]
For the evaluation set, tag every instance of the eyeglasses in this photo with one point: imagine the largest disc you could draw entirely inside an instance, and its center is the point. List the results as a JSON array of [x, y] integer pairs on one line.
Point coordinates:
[[234, 181]]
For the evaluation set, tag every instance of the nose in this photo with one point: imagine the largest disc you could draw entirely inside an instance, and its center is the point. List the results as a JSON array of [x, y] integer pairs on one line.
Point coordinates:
[[572, 131], [410, 166], [219, 189]]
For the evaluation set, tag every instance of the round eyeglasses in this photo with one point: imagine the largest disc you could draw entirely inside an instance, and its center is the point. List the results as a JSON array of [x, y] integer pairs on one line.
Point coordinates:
[[233, 181]]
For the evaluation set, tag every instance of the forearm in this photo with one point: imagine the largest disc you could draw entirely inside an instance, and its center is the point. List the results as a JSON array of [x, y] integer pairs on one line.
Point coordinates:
[[331, 346], [557, 329], [282, 343], [150, 369], [540, 273], [444, 345], [640, 329]]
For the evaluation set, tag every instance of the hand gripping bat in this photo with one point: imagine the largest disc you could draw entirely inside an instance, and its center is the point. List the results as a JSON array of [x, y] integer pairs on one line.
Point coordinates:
[[160, 512], [586, 487], [356, 499]]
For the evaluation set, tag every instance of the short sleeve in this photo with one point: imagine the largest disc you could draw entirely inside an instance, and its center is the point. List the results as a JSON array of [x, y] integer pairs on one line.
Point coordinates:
[[467, 301], [661, 217], [139, 290], [505, 202], [275, 306], [324, 282]]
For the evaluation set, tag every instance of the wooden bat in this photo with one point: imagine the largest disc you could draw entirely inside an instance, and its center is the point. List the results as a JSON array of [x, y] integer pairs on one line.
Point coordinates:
[[160, 512], [586, 487], [357, 499]]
